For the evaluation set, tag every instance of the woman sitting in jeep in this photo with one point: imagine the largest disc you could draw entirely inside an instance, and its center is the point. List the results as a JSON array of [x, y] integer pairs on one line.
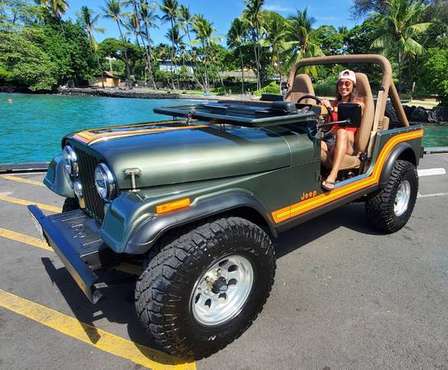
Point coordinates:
[[342, 139]]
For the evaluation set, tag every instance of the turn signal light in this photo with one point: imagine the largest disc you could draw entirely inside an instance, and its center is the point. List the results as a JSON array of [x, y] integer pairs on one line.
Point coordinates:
[[173, 206]]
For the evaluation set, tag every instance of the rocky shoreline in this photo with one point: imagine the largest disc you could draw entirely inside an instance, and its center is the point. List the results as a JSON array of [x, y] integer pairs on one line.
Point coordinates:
[[436, 115]]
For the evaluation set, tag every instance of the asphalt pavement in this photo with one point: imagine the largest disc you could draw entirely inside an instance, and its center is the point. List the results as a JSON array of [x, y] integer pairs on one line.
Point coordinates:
[[344, 296]]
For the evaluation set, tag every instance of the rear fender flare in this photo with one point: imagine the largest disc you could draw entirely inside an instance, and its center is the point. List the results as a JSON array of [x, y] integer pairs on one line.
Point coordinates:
[[401, 150], [148, 232]]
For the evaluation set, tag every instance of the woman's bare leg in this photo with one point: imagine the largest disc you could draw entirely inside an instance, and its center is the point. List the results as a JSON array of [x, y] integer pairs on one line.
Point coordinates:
[[344, 140]]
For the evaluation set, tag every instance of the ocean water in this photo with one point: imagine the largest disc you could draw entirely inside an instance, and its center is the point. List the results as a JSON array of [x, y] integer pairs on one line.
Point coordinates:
[[31, 126]]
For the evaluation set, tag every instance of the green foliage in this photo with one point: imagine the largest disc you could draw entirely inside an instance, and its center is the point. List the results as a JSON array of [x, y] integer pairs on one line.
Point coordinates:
[[331, 41], [326, 87], [436, 68], [42, 56], [23, 63], [271, 88]]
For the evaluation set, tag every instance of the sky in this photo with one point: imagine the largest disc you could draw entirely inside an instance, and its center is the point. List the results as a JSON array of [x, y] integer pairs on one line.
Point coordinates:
[[222, 12]]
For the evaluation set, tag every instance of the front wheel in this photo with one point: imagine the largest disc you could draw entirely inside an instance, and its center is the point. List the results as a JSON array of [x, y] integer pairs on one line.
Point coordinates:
[[390, 209], [204, 289]]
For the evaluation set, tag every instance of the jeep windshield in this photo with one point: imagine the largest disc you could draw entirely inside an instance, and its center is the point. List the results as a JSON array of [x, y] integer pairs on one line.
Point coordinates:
[[243, 113]]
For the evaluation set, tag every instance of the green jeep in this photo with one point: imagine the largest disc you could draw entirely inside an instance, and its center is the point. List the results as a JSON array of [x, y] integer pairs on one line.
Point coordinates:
[[199, 199]]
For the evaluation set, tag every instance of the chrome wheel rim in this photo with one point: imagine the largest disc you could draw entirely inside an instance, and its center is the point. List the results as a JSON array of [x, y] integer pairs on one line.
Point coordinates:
[[221, 292], [402, 198]]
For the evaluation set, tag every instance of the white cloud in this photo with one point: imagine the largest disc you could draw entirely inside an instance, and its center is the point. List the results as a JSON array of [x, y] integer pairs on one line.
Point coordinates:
[[278, 8]]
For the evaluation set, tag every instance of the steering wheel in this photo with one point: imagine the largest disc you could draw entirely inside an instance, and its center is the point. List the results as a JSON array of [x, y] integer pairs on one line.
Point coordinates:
[[312, 131], [309, 96]]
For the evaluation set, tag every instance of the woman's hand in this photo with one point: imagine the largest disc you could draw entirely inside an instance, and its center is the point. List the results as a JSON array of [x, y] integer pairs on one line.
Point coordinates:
[[326, 103]]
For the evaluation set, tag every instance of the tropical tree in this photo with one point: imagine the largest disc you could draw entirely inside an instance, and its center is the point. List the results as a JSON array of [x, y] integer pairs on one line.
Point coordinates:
[[398, 26], [275, 39], [204, 30], [252, 13], [112, 10], [169, 9], [88, 21], [148, 18], [236, 39], [56, 8], [302, 36]]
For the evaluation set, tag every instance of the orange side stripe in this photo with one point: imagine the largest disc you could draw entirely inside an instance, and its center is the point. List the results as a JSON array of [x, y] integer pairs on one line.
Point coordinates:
[[302, 207], [90, 138]]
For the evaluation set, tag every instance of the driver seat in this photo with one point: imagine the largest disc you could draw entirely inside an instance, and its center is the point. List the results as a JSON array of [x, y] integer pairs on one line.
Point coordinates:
[[363, 134], [301, 86]]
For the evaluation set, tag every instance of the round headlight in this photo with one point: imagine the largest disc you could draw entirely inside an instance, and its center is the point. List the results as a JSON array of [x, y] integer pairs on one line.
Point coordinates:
[[70, 161], [105, 182]]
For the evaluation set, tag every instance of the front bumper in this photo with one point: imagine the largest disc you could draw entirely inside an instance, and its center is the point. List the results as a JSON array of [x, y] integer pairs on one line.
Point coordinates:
[[76, 239]]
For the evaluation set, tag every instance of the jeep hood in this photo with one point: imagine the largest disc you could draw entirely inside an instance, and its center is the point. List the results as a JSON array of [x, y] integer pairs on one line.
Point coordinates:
[[179, 153]]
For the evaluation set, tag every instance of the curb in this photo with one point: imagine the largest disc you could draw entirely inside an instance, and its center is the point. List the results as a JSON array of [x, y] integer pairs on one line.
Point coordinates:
[[436, 149], [24, 167]]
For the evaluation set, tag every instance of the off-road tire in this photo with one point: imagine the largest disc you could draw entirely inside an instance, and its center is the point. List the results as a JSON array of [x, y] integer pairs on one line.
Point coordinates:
[[70, 204], [380, 207], [163, 291]]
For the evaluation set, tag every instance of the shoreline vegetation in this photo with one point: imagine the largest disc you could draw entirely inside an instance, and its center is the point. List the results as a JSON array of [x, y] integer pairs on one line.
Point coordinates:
[[41, 50]]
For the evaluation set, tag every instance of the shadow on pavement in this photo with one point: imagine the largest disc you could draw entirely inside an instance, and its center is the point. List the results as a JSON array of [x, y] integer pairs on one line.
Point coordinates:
[[351, 216], [117, 305]]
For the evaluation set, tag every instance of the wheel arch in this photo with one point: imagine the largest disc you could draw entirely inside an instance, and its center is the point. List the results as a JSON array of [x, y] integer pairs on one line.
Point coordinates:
[[402, 151], [233, 204]]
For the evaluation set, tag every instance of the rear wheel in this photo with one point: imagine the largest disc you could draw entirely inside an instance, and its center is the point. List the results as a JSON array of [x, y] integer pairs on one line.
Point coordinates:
[[390, 209], [205, 288]]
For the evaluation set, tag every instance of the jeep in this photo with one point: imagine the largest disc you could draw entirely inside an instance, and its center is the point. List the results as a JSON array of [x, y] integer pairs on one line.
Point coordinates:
[[199, 199]]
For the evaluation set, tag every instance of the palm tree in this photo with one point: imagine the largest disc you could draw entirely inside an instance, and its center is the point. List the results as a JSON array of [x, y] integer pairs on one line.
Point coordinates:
[[132, 23], [185, 20], [275, 39], [176, 38], [301, 37], [56, 8], [398, 26], [236, 39], [253, 15], [148, 17], [170, 10], [204, 30], [88, 21], [112, 10]]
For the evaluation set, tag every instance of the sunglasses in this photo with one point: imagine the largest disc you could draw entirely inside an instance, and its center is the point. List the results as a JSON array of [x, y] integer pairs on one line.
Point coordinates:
[[345, 83]]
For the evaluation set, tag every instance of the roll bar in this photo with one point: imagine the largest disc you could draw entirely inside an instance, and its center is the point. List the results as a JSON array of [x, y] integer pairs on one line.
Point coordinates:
[[387, 85]]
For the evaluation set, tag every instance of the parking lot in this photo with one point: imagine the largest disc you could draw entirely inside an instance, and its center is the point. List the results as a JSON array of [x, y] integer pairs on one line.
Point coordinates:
[[344, 296]]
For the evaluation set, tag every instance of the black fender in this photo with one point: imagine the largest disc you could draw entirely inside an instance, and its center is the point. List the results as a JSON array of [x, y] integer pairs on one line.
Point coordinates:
[[401, 151], [149, 231]]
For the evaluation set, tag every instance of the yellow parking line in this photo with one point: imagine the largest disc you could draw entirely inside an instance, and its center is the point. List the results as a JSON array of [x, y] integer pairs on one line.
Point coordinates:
[[24, 202], [83, 332], [38, 243], [23, 238], [22, 180]]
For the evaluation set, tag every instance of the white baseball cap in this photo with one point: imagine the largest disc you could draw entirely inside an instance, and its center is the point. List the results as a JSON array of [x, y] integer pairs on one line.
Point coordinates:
[[347, 74]]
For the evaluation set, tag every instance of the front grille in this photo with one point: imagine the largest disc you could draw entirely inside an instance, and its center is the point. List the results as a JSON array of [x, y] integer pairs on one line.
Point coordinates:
[[94, 203]]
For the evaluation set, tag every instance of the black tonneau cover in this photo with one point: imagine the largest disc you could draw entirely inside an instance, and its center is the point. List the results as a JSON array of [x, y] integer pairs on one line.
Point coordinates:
[[242, 113]]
